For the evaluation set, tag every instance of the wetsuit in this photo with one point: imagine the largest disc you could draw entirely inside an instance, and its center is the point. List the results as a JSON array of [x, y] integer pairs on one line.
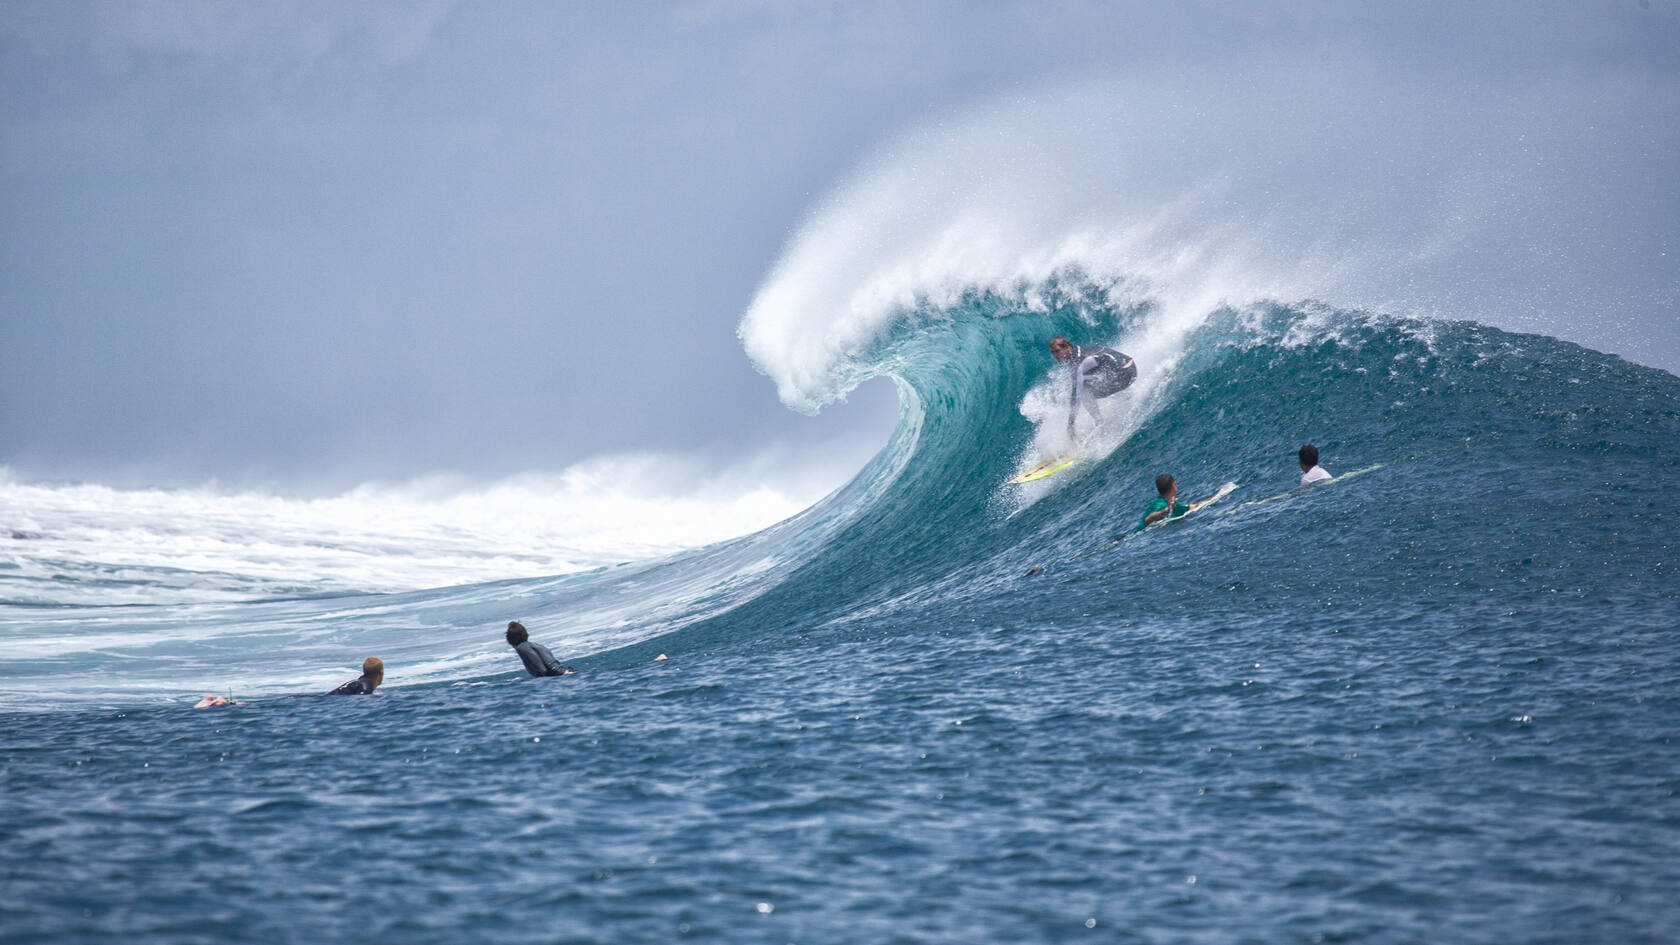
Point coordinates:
[[362, 685], [538, 660], [1178, 508], [1099, 372]]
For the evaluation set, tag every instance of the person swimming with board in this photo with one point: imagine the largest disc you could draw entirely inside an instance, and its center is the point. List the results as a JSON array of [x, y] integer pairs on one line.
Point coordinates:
[[1311, 471], [1166, 505]]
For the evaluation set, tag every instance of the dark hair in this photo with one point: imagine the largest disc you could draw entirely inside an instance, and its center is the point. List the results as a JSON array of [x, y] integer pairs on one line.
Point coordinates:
[[1059, 341], [1164, 483], [516, 633], [1309, 456]]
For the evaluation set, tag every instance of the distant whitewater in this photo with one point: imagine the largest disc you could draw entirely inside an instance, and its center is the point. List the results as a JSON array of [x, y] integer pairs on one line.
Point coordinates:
[[85, 544]]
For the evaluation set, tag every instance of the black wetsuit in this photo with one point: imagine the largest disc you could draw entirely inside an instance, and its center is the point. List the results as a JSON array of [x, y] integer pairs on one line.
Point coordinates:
[[538, 660], [362, 685], [1098, 371]]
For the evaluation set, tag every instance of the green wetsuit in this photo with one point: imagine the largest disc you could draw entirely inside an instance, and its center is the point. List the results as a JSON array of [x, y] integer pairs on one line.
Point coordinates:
[[1178, 508]]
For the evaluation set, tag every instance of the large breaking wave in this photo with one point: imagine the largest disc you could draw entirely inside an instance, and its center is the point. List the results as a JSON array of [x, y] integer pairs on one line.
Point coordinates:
[[1448, 409], [1284, 268]]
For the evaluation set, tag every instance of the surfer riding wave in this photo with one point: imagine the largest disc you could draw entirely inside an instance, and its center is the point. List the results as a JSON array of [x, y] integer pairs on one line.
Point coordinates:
[[1098, 372]]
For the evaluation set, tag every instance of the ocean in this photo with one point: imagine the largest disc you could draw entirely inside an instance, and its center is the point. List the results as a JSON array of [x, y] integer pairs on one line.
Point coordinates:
[[1432, 700]]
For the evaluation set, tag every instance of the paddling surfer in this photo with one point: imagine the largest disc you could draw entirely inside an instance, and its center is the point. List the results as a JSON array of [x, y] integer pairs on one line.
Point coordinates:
[[373, 673], [1311, 471], [1166, 505], [536, 657]]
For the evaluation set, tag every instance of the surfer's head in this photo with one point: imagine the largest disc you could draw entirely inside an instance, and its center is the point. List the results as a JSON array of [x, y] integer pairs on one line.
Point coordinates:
[[374, 668], [516, 633], [1164, 484], [1309, 457], [1060, 348]]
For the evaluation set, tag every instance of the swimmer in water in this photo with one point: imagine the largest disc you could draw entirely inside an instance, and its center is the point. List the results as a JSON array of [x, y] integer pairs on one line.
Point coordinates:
[[1167, 505], [373, 673], [536, 657], [1311, 471]]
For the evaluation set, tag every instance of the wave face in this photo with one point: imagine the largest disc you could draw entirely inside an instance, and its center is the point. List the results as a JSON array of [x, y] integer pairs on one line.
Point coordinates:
[[1483, 447]]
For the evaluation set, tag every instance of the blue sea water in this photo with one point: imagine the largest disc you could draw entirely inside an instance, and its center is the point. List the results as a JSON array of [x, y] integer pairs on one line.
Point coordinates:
[[1431, 701]]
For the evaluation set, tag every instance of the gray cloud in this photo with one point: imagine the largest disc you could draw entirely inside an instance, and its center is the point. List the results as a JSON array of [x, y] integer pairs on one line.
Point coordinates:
[[274, 35]]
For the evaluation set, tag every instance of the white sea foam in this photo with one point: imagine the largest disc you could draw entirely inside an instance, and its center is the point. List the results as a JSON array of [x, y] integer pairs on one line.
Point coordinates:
[[1265, 181], [92, 544]]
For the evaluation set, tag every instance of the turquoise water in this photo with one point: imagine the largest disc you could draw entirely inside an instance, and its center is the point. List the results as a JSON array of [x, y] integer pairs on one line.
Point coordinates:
[[1433, 701]]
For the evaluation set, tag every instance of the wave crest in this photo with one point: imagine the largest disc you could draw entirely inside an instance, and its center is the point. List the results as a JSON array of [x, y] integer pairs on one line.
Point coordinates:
[[1223, 190]]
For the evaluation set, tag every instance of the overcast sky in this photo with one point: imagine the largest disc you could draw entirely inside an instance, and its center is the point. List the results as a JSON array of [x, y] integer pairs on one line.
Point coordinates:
[[309, 242]]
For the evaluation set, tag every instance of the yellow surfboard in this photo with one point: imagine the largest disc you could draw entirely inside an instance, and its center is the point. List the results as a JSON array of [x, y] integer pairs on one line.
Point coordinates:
[[1049, 467]]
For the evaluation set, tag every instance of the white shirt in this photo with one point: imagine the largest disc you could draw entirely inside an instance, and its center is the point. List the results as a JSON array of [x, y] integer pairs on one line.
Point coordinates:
[[1315, 474]]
